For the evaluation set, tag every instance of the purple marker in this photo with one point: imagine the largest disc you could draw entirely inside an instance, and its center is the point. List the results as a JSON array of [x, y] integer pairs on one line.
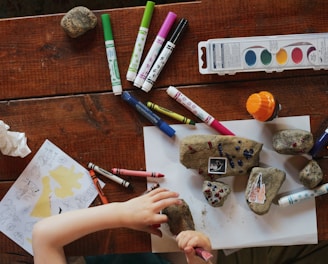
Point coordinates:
[[154, 49]]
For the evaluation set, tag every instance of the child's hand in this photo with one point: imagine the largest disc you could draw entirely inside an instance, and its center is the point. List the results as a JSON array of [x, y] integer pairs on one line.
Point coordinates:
[[189, 240], [143, 213]]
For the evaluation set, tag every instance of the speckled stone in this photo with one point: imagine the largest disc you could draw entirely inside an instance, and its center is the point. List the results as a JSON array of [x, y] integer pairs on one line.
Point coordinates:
[[239, 154], [270, 179], [292, 141], [78, 21], [311, 175], [216, 192]]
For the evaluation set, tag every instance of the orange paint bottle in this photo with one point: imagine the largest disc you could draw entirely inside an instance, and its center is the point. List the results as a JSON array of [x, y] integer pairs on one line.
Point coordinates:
[[263, 106]]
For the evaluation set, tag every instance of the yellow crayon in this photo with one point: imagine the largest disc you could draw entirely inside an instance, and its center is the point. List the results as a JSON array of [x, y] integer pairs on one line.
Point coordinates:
[[170, 113]]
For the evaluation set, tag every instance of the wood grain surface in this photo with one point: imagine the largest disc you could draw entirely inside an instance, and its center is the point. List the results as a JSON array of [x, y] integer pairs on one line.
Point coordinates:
[[57, 88]]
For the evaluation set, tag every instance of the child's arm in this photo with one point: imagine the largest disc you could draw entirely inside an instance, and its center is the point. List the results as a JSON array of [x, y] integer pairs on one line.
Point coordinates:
[[51, 234], [189, 240]]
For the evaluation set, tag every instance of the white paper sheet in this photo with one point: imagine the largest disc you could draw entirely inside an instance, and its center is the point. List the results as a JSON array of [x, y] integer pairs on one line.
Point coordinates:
[[234, 225], [52, 183]]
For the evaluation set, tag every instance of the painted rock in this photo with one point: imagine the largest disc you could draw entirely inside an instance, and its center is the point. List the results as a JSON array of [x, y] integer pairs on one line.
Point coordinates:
[[262, 187], [219, 156], [311, 175], [216, 192], [78, 21], [292, 141]]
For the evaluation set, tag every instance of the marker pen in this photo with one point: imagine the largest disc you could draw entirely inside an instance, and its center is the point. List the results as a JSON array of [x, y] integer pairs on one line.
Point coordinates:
[[109, 175], [164, 55], [170, 113], [198, 111], [140, 41], [303, 195], [147, 113], [320, 143], [154, 49], [111, 55]]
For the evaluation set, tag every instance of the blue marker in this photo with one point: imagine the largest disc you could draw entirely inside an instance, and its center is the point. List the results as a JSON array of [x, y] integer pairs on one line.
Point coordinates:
[[147, 113], [320, 143]]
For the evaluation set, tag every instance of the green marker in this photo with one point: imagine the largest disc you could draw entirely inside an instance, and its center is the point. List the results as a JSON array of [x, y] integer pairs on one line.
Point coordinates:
[[140, 41], [111, 55]]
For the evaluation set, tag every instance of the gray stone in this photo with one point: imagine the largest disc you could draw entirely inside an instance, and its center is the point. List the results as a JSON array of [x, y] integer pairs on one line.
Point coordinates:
[[78, 21], [292, 141], [219, 156], [311, 175], [179, 217], [262, 187], [216, 192]]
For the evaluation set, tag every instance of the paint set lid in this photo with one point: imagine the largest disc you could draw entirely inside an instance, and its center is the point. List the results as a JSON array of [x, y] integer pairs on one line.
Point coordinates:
[[262, 106]]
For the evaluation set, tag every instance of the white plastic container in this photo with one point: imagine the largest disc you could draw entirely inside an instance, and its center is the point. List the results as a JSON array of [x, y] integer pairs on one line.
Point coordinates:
[[263, 53]]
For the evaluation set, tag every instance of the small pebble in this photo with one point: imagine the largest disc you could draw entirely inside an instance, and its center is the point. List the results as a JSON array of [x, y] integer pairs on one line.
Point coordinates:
[[78, 21], [311, 175]]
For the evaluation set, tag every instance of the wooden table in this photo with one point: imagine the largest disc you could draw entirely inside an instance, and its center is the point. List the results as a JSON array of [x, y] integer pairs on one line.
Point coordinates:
[[57, 88]]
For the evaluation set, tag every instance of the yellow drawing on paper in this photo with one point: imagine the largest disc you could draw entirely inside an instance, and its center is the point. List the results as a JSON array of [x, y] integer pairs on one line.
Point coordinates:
[[67, 180], [42, 207]]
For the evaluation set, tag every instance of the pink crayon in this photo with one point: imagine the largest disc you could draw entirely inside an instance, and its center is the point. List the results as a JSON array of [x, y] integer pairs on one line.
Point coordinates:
[[137, 173]]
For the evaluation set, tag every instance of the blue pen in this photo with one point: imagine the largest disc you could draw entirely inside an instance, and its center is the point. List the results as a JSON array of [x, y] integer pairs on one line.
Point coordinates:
[[147, 113], [320, 143]]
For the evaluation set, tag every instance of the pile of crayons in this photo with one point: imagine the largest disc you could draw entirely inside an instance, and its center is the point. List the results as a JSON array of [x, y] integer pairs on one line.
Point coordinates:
[[114, 176], [146, 76]]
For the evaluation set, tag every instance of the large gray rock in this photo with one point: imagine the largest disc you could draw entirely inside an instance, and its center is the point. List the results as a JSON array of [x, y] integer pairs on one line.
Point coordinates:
[[219, 156], [78, 21], [292, 141], [262, 187], [311, 175]]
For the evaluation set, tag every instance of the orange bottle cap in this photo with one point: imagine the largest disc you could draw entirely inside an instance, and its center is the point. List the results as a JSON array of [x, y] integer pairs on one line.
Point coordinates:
[[262, 106]]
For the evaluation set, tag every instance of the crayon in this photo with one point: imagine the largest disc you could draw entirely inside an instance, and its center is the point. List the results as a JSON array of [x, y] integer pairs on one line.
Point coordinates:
[[170, 113], [95, 181], [137, 173], [109, 175]]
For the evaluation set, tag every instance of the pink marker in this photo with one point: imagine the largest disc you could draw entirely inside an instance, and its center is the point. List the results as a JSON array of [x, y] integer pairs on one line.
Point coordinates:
[[198, 111], [137, 173], [154, 49]]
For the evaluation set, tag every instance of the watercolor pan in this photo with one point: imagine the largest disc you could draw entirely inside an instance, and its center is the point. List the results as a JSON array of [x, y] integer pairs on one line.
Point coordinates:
[[263, 53]]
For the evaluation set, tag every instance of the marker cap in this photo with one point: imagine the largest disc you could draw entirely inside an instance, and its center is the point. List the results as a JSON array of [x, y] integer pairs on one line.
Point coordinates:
[[148, 13], [108, 34], [167, 24], [183, 23], [220, 128], [167, 129], [146, 86], [262, 106]]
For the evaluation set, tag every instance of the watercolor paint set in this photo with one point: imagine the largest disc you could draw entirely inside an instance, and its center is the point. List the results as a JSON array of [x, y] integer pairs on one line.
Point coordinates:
[[263, 53]]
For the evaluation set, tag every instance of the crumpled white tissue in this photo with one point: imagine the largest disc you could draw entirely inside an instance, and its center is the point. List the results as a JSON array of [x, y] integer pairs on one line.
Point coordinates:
[[13, 143]]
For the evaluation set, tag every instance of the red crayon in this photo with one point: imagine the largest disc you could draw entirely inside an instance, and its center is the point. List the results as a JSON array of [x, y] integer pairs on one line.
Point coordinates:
[[101, 194], [137, 173]]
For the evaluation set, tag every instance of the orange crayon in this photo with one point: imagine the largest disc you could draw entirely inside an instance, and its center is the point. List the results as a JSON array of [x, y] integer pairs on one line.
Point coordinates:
[[101, 194]]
